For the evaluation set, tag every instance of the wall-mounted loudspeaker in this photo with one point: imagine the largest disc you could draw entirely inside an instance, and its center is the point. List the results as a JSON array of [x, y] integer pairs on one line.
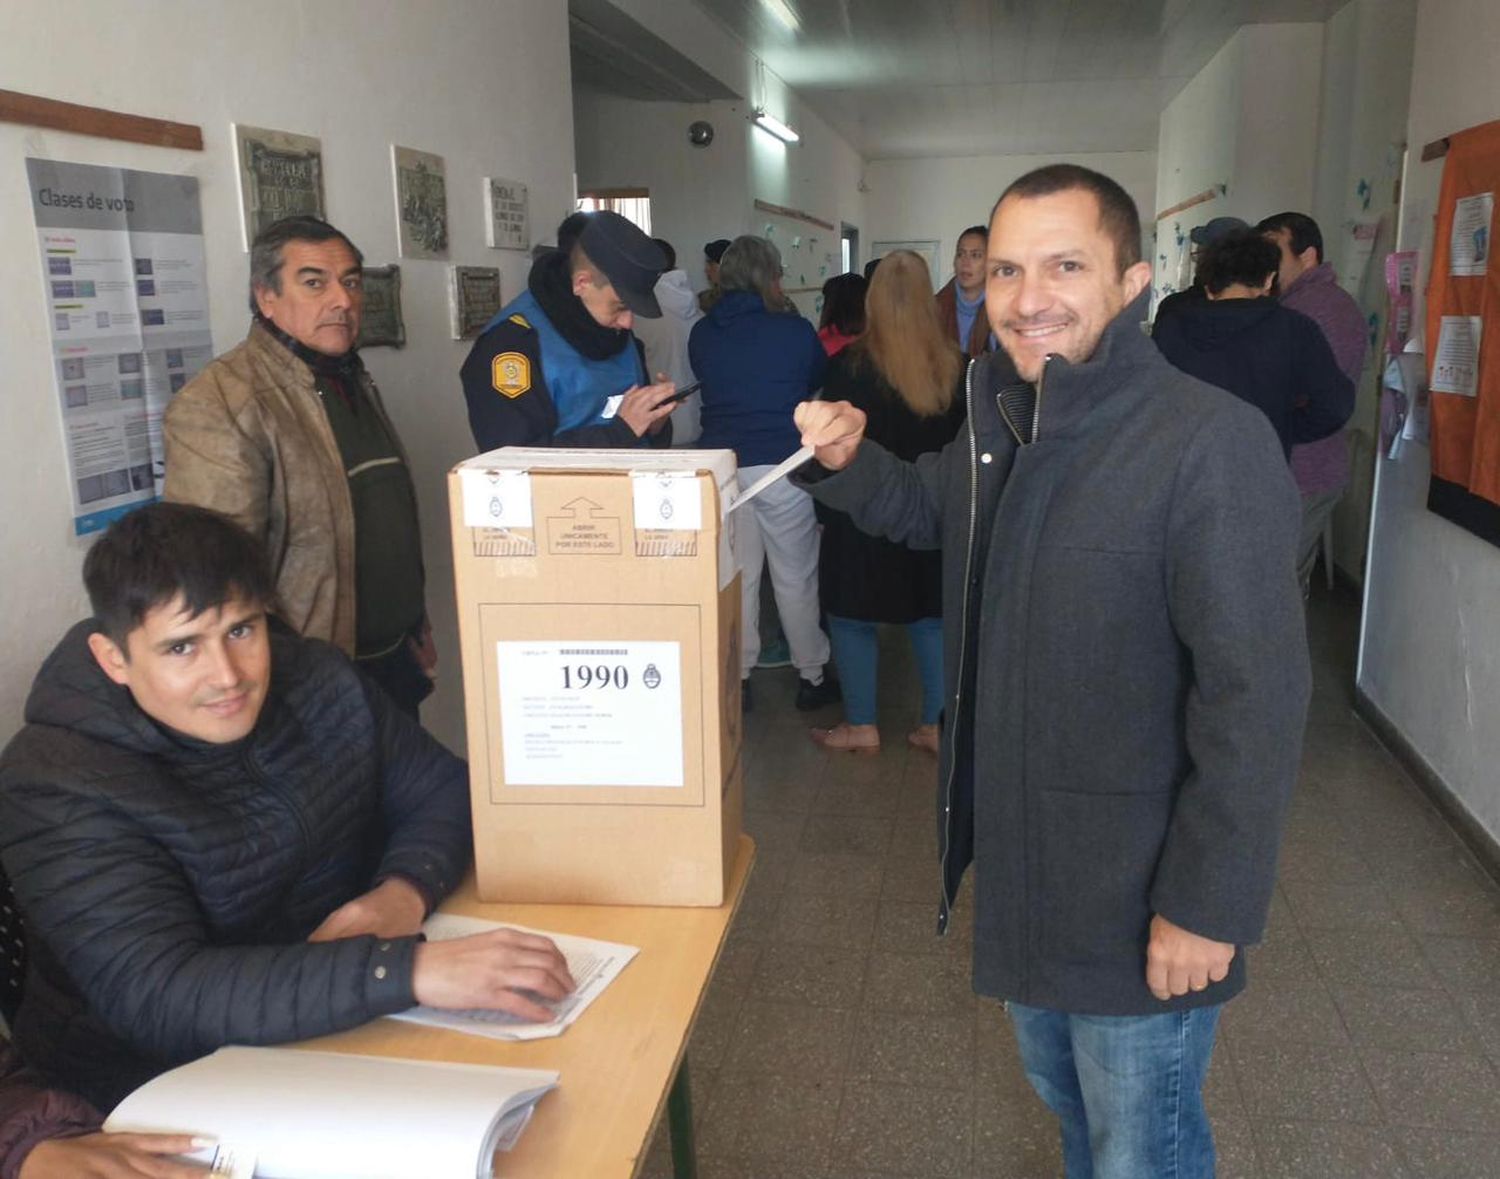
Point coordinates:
[[701, 133]]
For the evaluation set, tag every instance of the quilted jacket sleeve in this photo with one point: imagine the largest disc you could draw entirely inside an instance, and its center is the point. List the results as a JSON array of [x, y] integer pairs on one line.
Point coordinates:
[[425, 799], [117, 914]]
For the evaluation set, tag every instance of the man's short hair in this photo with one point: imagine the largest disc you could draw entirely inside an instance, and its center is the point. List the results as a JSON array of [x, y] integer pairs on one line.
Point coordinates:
[[668, 252], [1245, 257], [980, 231], [1304, 231], [145, 559], [1117, 212], [266, 249]]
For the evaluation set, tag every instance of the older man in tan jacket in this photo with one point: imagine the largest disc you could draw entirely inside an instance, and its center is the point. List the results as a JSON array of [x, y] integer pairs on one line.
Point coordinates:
[[286, 434]]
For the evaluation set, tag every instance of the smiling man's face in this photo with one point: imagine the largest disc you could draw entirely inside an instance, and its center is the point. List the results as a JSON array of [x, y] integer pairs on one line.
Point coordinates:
[[202, 675], [1053, 281]]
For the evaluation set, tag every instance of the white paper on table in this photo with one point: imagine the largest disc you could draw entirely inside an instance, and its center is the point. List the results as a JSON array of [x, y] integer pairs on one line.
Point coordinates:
[[593, 964], [327, 1115], [1455, 364]]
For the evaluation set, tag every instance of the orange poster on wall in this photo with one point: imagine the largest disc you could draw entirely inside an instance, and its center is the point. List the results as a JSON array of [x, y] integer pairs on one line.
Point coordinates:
[[1463, 337]]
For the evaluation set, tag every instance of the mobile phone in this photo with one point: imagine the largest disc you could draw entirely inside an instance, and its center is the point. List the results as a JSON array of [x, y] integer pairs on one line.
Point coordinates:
[[681, 395]]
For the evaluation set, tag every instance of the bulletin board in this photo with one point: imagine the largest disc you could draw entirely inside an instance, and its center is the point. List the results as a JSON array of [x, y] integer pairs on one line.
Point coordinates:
[[811, 252], [1463, 337]]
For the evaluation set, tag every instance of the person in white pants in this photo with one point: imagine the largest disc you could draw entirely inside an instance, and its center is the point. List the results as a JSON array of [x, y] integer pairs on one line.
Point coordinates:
[[757, 362], [778, 528]]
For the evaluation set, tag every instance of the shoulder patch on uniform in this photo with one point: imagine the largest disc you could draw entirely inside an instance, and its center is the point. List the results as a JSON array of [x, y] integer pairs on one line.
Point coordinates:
[[519, 320], [510, 373]]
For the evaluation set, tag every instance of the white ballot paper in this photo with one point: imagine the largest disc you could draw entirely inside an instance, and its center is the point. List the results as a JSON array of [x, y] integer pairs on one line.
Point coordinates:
[[327, 1115], [785, 467], [593, 965]]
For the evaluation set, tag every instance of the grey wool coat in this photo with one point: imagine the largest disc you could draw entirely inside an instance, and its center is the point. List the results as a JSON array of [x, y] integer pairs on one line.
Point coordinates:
[[1125, 660]]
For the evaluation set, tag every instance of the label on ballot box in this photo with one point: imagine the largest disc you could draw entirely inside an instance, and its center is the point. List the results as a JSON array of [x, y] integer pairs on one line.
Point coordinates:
[[579, 713]]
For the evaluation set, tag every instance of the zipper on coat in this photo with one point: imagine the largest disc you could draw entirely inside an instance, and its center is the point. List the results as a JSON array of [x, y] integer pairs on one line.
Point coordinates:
[[963, 644], [287, 798]]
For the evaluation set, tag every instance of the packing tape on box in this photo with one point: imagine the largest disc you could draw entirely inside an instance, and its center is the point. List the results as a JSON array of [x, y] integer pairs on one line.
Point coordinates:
[[667, 500], [496, 499]]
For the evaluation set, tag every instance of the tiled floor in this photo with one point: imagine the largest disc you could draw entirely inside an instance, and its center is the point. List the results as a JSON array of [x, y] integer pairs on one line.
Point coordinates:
[[840, 1039]]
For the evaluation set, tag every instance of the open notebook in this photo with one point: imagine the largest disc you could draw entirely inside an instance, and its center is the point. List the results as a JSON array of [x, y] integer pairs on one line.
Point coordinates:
[[290, 1114]]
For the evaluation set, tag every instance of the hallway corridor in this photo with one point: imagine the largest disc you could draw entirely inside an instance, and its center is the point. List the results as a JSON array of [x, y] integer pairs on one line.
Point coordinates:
[[841, 1039]]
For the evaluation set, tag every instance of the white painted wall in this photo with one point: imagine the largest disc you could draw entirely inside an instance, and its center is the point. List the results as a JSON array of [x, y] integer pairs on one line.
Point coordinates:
[[699, 194], [483, 83], [1366, 69], [1247, 126], [937, 199], [1430, 648]]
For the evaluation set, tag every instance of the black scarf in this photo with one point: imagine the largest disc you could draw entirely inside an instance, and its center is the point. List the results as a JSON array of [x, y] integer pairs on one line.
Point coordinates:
[[551, 284], [340, 373]]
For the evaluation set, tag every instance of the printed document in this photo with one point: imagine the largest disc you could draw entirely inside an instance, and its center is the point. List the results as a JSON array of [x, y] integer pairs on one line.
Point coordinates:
[[593, 965]]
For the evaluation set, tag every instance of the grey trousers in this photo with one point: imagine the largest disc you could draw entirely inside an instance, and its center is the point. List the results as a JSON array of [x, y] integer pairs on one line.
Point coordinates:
[[1316, 508]]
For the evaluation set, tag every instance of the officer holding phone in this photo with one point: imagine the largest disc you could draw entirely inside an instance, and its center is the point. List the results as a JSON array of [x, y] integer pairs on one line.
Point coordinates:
[[558, 365]]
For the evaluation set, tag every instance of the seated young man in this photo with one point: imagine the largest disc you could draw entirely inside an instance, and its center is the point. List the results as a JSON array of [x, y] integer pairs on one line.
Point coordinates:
[[221, 833]]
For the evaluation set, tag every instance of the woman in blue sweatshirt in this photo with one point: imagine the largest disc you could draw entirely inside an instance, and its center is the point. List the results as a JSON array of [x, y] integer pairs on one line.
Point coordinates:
[[756, 365]]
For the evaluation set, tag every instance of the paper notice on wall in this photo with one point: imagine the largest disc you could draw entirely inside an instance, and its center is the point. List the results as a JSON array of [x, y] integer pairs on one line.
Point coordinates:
[[591, 713], [127, 304], [1469, 245], [1455, 365]]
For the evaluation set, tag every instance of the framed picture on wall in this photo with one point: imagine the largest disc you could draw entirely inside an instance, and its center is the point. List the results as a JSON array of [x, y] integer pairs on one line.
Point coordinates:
[[473, 298], [927, 250], [421, 203], [507, 225], [281, 175], [382, 325]]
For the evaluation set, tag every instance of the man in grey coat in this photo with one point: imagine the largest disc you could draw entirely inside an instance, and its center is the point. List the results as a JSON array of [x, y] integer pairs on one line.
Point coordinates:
[[1127, 672]]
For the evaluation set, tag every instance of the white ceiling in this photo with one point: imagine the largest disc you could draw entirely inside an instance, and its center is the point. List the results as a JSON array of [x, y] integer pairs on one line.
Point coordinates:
[[987, 77]]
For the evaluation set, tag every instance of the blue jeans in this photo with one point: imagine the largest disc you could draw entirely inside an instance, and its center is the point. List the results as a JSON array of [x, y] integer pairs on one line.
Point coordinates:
[[856, 651], [1127, 1089]]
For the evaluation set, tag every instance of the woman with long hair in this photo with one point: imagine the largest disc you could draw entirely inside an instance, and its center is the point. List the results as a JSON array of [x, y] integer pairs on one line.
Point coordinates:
[[757, 364], [906, 373]]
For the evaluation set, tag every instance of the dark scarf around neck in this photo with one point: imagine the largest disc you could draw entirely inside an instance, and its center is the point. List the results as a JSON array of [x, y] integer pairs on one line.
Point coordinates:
[[341, 373], [551, 284]]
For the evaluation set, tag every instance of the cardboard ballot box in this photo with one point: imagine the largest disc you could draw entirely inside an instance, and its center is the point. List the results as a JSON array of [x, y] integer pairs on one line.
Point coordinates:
[[599, 617]]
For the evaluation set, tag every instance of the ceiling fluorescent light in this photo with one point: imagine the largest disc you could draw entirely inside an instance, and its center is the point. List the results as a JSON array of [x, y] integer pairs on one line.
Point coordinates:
[[784, 14], [775, 126]]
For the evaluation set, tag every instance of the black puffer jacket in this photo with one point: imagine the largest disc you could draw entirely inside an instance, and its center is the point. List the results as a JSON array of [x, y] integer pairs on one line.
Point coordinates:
[[169, 885]]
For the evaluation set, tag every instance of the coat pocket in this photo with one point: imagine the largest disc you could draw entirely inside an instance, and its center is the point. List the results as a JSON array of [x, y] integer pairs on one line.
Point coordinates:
[[1099, 855]]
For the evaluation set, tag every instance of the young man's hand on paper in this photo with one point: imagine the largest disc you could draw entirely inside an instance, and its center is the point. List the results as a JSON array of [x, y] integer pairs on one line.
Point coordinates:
[[393, 908], [112, 1156], [490, 971]]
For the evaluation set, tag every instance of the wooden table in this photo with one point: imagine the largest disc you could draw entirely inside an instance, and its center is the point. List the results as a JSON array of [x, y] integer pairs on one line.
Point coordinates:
[[618, 1061]]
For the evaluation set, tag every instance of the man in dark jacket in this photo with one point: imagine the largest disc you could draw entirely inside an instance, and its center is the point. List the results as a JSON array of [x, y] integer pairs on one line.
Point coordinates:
[[221, 833], [558, 365], [1239, 338], [1126, 672]]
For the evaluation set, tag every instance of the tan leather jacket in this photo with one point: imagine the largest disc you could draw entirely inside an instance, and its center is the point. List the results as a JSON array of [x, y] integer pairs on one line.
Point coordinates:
[[248, 437]]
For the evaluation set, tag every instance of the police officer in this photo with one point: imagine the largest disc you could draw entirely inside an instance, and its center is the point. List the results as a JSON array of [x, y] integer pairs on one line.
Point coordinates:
[[558, 365]]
